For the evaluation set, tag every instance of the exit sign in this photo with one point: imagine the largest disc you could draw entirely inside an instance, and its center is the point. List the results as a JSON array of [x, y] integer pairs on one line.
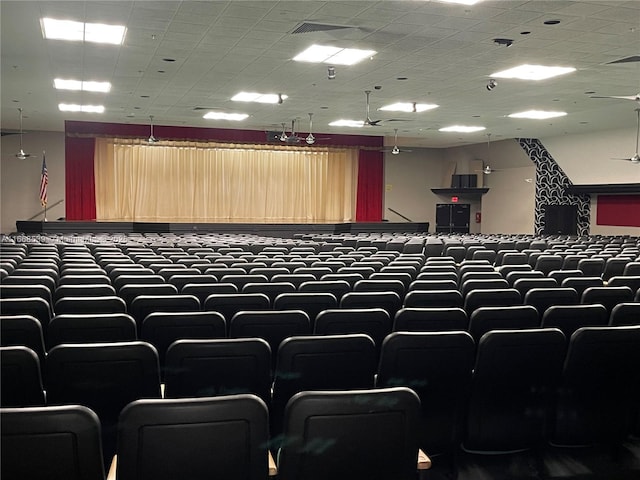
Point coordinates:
[[454, 199]]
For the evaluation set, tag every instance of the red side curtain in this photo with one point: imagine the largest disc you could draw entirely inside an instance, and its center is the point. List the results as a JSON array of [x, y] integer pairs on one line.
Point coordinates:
[[370, 178], [80, 194]]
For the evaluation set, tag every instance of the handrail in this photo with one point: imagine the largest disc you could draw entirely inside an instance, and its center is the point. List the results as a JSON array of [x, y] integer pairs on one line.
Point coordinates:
[[45, 209], [399, 214]]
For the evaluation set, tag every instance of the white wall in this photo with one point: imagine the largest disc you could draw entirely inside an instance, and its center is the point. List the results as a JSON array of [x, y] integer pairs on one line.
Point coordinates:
[[20, 179], [586, 159]]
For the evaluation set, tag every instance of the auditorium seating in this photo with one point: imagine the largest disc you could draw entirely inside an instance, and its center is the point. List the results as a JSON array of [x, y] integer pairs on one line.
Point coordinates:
[[159, 262], [372, 434], [20, 380], [51, 443], [224, 437]]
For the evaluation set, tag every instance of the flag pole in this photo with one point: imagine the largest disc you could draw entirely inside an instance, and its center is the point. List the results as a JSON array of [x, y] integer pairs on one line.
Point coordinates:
[[45, 198]]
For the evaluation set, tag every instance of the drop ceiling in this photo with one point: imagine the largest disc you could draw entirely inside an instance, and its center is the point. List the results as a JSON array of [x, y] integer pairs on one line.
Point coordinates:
[[428, 52]]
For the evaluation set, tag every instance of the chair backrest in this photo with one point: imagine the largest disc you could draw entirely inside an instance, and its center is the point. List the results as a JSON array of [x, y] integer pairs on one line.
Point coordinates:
[[437, 366], [368, 434], [625, 314], [223, 437], [597, 401], [523, 285], [580, 284], [161, 329], [208, 368], [389, 301], [270, 289], [614, 267], [569, 318], [499, 297], [20, 378], [433, 285], [546, 263], [336, 287], [607, 296], [311, 303], [631, 281], [331, 362], [591, 267], [543, 298], [228, 304], [51, 443], [34, 306], [101, 304], [22, 330], [374, 322], [560, 275], [433, 299], [104, 377], [91, 328], [485, 319], [273, 326], [434, 319], [515, 375], [632, 268], [203, 290], [143, 305], [130, 291]]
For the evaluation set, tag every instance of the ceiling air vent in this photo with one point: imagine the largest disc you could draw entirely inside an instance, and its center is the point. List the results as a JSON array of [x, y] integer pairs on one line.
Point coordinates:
[[631, 59], [308, 27]]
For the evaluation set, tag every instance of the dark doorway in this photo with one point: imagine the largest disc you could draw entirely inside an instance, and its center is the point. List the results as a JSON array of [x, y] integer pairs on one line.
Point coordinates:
[[560, 219], [452, 217]]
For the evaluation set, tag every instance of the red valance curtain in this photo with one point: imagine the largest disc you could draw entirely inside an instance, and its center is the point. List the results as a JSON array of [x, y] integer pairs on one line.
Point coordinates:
[[80, 196], [370, 178]]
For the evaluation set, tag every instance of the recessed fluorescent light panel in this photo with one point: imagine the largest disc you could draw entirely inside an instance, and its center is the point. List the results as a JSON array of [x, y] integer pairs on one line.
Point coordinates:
[[533, 72], [258, 97], [74, 107], [461, 2], [409, 107], [225, 116], [53, 29], [333, 55], [537, 114], [347, 123], [461, 129], [62, 84]]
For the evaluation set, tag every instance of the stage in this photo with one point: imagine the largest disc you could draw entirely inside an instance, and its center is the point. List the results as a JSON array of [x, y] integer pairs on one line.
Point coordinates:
[[282, 230]]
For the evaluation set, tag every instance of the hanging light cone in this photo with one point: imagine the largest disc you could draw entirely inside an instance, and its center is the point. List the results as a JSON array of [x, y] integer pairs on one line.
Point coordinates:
[[21, 155]]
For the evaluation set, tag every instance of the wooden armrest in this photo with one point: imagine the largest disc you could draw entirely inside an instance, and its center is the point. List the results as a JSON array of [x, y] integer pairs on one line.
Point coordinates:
[[112, 469], [273, 470], [424, 462]]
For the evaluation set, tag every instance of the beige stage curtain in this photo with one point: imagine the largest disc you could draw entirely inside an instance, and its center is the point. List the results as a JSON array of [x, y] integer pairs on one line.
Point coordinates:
[[208, 182]]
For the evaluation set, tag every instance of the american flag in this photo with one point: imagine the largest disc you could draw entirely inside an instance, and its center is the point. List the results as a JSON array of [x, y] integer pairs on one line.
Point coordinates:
[[44, 181]]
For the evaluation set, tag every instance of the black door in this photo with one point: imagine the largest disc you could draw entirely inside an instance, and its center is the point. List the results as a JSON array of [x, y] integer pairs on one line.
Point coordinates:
[[452, 217], [560, 219]]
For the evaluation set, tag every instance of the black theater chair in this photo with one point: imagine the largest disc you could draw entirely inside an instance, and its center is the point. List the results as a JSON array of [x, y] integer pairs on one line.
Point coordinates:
[[482, 284], [374, 322], [130, 291], [543, 298], [437, 366], [22, 330], [580, 284], [512, 277], [223, 437], [359, 435], [434, 319], [270, 289], [569, 318], [625, 314], [33, 306], [273, 326], [523, 285], [51, 443], [161, 329], [486, 319], [389, 301], [104, 377], [97, 305], [500, 297], [598, 398], [631, 281], [515, 375], [208, 368], [311, 303], [202, 290], [91, 328], [143, 305], [433, 299], [332, 362], [607, 296], [20, 378]]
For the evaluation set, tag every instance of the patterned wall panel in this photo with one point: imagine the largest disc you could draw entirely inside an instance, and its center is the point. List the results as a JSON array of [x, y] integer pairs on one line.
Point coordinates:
[[551, 182]]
